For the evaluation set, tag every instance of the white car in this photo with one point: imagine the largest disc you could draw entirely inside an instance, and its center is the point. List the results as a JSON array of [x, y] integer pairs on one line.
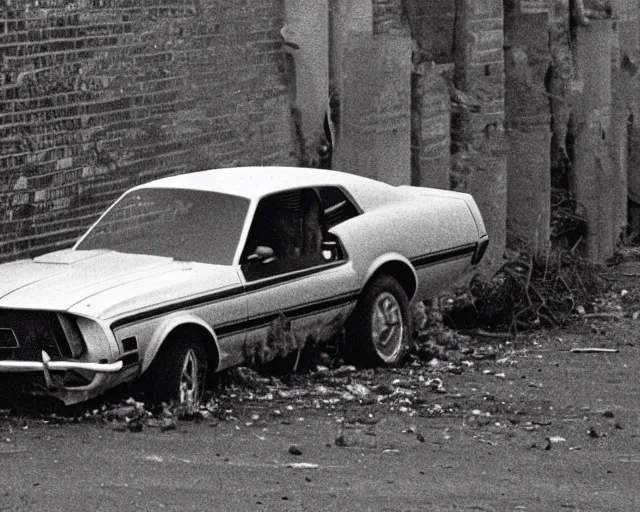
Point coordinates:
[[199, 272]]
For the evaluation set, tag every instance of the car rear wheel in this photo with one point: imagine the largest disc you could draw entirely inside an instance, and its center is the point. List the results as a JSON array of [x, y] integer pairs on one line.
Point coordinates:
[[178, 373], [378, 331]]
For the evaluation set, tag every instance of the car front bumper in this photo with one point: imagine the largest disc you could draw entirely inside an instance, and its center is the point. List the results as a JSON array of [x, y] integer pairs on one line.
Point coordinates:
[[46, 364], [103, 376]]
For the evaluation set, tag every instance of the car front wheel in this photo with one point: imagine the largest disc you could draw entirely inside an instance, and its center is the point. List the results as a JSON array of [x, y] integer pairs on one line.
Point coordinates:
[[178, 373], [378, 331]]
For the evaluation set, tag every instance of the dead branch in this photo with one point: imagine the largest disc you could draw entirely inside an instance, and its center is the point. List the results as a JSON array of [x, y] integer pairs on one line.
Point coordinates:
[[584, 288], [561, 279], [493, 335], [575, 246], [546, 262]]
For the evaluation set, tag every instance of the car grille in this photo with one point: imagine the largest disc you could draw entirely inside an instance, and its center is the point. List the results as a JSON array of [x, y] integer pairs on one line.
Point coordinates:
[[25, 334]]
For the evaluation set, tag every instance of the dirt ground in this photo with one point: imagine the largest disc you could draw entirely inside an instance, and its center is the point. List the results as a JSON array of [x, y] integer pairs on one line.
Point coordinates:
[[525, 424]]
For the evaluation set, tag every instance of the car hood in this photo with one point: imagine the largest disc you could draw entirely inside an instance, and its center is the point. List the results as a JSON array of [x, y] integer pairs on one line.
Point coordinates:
[[103, 284]]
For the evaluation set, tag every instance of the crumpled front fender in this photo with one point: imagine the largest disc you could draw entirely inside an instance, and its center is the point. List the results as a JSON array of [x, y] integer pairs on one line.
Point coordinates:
[[163, 331]]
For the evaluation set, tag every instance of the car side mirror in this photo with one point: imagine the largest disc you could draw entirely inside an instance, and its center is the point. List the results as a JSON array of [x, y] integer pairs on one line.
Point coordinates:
[[330, 250], [262, 253]]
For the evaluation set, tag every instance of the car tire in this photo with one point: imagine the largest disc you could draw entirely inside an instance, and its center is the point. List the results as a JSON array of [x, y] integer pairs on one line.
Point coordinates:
[[177, 374], [379, 328]]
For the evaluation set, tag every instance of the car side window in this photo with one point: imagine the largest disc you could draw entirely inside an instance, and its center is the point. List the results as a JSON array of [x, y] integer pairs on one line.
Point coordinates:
[[337, 207], [286, 235]]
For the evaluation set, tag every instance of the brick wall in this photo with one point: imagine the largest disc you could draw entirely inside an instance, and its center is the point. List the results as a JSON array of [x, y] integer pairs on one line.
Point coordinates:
[[99, 95]]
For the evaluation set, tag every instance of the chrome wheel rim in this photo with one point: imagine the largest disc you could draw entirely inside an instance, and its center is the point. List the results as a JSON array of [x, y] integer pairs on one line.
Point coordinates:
[[387, 327], [190, 379]]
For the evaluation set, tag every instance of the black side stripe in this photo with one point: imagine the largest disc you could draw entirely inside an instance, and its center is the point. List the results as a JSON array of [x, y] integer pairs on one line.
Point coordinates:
[[290, 276], [291, 314], [442, 256], [185, 304], [225, 294]]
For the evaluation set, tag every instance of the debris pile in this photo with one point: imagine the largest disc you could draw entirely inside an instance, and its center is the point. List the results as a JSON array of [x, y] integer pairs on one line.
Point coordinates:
[[526, 294], [409, 392]]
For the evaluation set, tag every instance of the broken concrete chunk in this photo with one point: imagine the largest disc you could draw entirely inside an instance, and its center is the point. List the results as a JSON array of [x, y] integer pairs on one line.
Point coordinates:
[[358, 390], [294, 450], [344, 370]]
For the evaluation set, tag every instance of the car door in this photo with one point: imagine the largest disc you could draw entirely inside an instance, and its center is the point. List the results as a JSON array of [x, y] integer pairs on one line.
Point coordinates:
[[299, 283]]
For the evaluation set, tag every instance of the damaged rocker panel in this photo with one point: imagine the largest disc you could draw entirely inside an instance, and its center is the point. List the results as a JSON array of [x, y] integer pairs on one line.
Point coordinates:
[[265, 319]]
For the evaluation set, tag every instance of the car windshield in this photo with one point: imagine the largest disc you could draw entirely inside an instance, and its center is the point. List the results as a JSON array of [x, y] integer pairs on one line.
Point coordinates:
[[187, 225]]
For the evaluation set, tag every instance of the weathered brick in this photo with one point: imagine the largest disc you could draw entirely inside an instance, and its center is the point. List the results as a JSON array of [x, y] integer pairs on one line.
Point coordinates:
[[98, 96]]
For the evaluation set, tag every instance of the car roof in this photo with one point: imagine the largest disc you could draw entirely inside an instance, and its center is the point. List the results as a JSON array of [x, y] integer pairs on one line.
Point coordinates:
[[256, 182]]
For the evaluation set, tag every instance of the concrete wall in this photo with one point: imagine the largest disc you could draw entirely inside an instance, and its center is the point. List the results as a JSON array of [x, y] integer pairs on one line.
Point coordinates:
[[98, 96]]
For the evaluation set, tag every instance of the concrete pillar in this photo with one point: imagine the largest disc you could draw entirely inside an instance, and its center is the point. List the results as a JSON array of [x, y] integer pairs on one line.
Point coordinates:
[[431, 23], [347, 18], [633, 182], [431, 130], [560, 87], [625, 106], [479, 136], [594, 180], [529, 188], [528, 126], [375, 108], [633, 174], [306, 35]]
